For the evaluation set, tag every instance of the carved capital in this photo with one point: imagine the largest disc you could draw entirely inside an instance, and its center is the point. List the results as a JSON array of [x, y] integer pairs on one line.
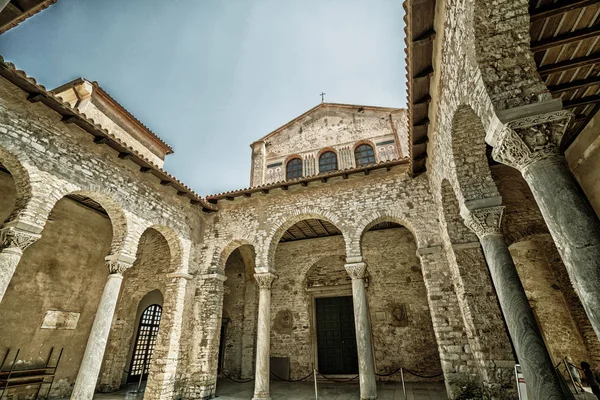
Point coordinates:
[[484, 221], [265, 279], [118, 264], [357, 270], [14, 238], [527, 140]]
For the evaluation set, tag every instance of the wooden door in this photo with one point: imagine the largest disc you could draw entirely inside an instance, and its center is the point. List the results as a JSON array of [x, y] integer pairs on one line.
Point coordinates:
[[336, 337]]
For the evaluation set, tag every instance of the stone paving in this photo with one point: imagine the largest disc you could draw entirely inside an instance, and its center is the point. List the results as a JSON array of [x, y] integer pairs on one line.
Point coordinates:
[[227, 390]]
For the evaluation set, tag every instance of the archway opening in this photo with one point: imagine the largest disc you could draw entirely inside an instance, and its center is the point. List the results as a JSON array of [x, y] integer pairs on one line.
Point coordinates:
[[54, 293], [401, 323], [143, 286], [9, 193], [240, 311]]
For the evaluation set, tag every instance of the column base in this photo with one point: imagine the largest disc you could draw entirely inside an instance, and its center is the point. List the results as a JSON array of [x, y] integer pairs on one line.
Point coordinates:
[[265, 396]]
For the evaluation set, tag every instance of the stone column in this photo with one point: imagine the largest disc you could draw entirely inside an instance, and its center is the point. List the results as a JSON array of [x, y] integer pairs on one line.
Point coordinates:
[[366, 364], [531, 145], [85, 384], [14, 239], [263, 336], [543, 382], [161, 382], [208, 313]]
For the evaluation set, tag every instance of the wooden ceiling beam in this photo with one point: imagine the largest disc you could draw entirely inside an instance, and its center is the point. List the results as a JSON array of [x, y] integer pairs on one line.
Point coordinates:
[[545, 70], [559, 8], [566, 38], [584, 101], [595, 80]]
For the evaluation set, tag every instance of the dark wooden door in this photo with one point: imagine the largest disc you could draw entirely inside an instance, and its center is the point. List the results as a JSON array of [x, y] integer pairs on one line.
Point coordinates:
[[336, 337]]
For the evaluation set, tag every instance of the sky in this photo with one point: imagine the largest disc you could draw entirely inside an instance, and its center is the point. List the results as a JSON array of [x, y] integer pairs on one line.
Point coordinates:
[[212, 76]]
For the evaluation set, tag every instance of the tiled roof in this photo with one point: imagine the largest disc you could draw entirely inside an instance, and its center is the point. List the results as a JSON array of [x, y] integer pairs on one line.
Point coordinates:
[[26, 14], [38, 93], [305, 180]]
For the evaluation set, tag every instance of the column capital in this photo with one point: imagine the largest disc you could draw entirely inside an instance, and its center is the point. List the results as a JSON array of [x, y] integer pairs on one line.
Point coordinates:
[[527, 140], [18, 237], [356, 270], [265, 279], [118, 263], [484, 221]]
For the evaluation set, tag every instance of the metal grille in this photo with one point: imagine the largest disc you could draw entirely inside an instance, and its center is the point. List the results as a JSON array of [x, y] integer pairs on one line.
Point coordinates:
[[145, 342], [364, 155], [328, 162], [293, 169]]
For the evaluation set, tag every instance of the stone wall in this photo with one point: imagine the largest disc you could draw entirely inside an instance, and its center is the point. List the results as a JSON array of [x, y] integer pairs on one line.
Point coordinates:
[[338, 129], [62, 272]]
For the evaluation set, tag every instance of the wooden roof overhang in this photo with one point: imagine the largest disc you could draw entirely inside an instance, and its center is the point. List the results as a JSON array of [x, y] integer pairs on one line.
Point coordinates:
[[37, 93], [565, 40], [420, 34], [285, 185], [17, 11]]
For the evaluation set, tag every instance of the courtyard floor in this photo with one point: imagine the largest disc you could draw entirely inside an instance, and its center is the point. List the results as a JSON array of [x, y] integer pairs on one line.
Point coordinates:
[[227, 390]]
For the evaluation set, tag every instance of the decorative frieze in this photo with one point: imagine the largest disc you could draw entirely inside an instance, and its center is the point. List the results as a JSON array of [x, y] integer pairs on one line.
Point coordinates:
[[484, 221], [357, 270], [527, 140]]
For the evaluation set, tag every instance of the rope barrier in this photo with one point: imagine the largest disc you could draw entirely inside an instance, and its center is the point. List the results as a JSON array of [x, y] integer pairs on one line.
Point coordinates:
[[290, 380], [412, 373]]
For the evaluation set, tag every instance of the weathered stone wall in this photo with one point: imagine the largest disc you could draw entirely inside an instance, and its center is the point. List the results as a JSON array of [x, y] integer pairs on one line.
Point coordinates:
[[583, 157], [63, 271], [332, 128], [147, 275]]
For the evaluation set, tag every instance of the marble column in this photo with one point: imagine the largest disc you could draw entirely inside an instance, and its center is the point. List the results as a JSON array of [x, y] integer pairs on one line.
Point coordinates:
[[366, 364], [543, 382], [85, 384], [161, 381], [263, 336], [14, 239], [531, 145]]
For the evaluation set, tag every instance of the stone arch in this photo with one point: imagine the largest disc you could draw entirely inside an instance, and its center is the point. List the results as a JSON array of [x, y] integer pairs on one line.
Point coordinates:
[[179, 254], [473, 177], [503, 54], [29, 189], [369, 221], [121, 220], [223, 251], [266, 257]]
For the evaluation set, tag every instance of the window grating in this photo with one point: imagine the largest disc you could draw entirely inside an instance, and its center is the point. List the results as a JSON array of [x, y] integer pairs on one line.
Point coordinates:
[[328, 162], [364, 155], [144, 343]]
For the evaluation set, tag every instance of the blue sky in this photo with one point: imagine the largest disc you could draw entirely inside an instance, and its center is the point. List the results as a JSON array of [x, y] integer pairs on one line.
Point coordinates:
[[211, 76]]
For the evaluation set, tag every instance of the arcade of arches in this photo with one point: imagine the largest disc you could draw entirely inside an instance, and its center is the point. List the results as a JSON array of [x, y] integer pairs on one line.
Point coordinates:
[[455, 239]]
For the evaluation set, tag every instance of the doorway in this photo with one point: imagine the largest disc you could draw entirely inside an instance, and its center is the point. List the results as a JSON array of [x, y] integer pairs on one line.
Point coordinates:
[[336, 337], [144, 343]]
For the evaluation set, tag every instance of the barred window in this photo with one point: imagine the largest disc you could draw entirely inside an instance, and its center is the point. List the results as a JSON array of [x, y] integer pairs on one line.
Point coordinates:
[[328, 162], [293, 169], [364, 155]]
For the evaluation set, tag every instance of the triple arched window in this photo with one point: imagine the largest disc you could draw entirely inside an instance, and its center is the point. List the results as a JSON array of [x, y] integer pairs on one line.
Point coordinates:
[[293, 169], [364, 155], [328, 162]]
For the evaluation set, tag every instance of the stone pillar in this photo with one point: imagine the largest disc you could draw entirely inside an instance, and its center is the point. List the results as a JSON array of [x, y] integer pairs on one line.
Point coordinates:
[[531, 145], [161, 382], [14, 239], [263, 336], [543, 382], [366, 363], [208, 313], [85, 384]]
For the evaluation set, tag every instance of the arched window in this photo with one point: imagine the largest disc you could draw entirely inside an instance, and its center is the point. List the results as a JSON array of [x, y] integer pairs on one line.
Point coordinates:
[[328, 162], [144, 343], [364, 155], [293, 169]]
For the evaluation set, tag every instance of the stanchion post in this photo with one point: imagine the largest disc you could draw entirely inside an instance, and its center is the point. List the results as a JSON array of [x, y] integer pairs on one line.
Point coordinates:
[[570, 375], [403, 386], [316, 389]]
